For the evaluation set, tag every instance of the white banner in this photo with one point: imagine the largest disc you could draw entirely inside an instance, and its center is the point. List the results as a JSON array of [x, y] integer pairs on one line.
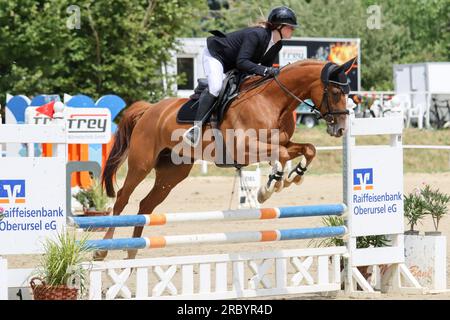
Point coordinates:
[[290, 54], [84, 125], [376, 202], [33, 203]]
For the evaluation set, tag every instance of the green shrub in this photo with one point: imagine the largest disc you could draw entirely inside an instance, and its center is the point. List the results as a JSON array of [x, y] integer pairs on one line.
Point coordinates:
[[435, 203], [94, 197], [414, 208], [361, 242], [61, 262]]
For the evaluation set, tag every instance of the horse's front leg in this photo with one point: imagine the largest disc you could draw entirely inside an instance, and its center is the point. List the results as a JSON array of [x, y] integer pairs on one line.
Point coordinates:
[[275, 180], [308, 151]]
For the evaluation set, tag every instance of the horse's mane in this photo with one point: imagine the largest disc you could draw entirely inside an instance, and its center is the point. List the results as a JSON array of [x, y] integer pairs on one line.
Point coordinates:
[[301, 63], [304, 63]]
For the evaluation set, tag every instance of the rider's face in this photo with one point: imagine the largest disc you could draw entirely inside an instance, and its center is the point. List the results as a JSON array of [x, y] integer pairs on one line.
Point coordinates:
[[287, 31]]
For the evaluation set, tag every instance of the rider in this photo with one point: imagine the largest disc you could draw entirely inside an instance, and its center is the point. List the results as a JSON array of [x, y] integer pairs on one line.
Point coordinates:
[[246, 50]]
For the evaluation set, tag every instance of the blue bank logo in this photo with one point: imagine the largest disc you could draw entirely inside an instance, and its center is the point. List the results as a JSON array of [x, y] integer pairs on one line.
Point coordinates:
[[12, 191], [363, 179]]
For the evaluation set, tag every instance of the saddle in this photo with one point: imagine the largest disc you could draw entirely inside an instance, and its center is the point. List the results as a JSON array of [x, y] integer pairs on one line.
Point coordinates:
[[230, 90]]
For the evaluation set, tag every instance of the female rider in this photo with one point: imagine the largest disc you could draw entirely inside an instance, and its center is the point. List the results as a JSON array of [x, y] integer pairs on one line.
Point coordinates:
[[246, 50]]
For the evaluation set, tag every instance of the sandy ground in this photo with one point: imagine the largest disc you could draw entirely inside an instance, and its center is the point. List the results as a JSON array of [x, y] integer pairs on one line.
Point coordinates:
[[214, 193]]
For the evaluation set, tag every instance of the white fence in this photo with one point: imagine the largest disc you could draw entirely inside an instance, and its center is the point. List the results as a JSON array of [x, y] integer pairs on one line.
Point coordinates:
[[426, 109]]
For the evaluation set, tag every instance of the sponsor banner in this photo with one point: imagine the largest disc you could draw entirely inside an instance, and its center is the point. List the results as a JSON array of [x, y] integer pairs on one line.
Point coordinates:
[[290, 54], [376, 201], [84, 125], [32, 203]]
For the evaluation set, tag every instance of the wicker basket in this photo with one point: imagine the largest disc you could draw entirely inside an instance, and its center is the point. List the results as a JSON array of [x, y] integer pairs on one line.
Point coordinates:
[[42, 291]]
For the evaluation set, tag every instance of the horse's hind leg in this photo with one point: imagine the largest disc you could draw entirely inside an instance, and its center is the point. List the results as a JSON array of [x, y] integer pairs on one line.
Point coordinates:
[[168, 175], [136, 173]]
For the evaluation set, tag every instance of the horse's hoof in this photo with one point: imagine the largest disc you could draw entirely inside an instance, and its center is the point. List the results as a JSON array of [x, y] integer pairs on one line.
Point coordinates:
[[298, 180], [263, 194], [100, 255], [287, 183], [279, 186]]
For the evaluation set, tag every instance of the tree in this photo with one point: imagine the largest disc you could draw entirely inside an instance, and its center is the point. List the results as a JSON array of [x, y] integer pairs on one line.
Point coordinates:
[[118, 48], [409, 31]]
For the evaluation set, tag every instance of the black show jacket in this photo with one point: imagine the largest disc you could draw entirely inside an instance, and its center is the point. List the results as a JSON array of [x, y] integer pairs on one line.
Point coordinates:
[[244, 49]]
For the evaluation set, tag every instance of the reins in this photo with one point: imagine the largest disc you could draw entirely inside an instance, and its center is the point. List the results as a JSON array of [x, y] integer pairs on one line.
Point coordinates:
[[289, 93], [312, 107]]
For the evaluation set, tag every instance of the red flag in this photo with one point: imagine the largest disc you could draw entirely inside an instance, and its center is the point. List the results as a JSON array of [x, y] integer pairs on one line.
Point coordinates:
[[47, 109]]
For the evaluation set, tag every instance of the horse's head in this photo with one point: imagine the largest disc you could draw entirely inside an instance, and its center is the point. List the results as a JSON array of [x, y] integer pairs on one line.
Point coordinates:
[[330, 94]]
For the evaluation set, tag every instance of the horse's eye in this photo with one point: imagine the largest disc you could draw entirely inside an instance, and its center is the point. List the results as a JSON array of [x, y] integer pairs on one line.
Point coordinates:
[[335, 91]]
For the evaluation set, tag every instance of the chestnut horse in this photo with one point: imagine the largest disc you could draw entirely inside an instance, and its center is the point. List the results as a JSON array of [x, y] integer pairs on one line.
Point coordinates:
[[149, 135]]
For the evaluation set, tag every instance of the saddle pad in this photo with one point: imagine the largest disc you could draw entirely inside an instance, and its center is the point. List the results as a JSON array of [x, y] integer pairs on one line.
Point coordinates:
[[186, 114]]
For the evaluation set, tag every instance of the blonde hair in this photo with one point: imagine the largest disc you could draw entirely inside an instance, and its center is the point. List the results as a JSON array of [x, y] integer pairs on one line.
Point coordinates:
[[260, 23]]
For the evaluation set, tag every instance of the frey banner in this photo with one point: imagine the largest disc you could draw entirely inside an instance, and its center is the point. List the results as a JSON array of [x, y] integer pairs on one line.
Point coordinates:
[[84, 125], [32, 202]]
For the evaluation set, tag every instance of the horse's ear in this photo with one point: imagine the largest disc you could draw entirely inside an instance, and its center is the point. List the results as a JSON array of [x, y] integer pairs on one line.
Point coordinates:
[[346, 67]]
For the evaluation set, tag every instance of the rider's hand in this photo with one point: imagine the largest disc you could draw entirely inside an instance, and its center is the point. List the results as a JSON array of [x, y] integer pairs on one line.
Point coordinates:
[[271, 71]]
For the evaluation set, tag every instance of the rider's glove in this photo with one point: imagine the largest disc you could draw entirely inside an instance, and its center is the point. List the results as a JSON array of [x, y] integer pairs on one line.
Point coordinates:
[[271, 71]]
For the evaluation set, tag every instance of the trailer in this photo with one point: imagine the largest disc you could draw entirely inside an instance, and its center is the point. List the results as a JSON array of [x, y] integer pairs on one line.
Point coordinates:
[[425, 90]]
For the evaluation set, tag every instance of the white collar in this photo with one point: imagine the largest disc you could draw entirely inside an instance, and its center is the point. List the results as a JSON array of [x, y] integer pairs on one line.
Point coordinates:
[[271, 43]]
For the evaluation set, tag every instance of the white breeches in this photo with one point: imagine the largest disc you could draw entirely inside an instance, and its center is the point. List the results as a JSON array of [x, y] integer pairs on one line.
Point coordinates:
[[214, 72]]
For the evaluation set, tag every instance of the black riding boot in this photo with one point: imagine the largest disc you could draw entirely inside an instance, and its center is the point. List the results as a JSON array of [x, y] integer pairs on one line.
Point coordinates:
[[206, 101]]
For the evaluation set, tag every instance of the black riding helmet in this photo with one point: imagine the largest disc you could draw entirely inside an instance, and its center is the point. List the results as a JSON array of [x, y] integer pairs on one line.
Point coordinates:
[[282, 15]]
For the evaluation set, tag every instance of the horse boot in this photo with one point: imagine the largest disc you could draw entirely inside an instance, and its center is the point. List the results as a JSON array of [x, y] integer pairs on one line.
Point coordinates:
[[206, 101]]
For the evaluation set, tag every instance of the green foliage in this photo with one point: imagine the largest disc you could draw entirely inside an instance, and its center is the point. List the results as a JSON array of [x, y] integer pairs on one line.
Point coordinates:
[[94, 197], [414, 208], [436, 204], [372, 241], [410, 31], [61, 262], [361, 242], [123, 47], [331, 221], [120, 47]]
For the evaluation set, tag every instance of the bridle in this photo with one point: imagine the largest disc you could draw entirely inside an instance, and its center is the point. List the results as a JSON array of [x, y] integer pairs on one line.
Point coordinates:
[[327, 116]]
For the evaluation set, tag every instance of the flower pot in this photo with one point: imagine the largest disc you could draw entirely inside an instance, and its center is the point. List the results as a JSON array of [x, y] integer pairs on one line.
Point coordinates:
[[43, 291], [93, 213], [433, 233], [412, 232]]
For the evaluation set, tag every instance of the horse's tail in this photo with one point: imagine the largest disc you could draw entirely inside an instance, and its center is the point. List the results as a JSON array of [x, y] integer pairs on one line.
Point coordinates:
[[119, 151]]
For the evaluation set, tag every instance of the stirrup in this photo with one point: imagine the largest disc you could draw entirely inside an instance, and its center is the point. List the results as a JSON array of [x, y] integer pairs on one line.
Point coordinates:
[[192, 136]]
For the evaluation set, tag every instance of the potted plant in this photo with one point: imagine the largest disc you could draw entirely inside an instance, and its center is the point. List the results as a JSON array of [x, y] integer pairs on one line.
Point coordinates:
[[426, 255], [361, 242], [414, 210], [436, 205], [60, 274], [94, 201]]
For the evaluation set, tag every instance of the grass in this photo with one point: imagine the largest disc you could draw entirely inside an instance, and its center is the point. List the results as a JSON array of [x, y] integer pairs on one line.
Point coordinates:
[[61, 262], [414, 160]]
